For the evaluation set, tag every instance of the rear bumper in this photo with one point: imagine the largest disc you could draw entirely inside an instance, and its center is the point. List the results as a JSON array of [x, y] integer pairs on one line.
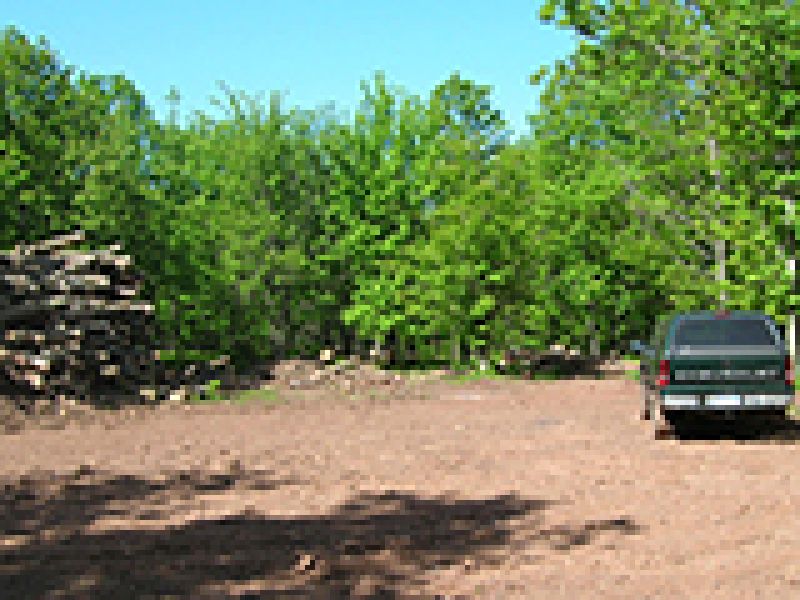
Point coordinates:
[[724, 402]]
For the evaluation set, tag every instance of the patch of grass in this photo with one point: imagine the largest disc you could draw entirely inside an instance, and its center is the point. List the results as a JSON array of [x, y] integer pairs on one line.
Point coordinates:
[[548, 376], [402, 371], [214, 395], [266, 396], [475, 376], [631, 375]]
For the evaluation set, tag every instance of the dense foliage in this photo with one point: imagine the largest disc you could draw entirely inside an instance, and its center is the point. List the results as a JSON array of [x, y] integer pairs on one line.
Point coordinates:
[[419, 225]]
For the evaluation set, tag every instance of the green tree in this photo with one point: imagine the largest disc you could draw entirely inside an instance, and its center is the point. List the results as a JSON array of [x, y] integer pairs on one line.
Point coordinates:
[[668, 90]]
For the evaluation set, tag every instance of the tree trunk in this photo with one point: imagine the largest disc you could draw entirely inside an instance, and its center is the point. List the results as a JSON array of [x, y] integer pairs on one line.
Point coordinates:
[[375, 351], [792, 324], [456, 350], [594, 345], [719, 244]]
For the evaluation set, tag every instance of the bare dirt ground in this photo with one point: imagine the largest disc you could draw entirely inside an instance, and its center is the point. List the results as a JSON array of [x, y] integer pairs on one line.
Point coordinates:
[[491, 489]]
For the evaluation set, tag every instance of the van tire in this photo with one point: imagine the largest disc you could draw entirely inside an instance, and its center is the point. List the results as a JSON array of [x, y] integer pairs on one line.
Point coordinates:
[[676, 420], [772, 415]]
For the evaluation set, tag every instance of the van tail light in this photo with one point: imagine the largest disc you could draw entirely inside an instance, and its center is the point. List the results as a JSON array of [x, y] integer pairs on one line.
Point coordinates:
[[663, 373], [789, 370]]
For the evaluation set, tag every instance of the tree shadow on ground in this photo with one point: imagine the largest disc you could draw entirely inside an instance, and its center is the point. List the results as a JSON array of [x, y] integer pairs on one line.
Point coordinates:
[[375, 545], [743, 429]]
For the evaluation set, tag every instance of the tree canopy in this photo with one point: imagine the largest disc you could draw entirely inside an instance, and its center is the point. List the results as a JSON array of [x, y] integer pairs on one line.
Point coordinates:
[[659, 172]]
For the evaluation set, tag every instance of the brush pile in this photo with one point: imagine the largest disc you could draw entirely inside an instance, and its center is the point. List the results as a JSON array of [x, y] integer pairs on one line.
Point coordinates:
[[349, 374]]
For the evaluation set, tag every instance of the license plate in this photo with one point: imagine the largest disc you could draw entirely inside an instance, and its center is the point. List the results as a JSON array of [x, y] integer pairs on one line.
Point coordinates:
[[723, 400]]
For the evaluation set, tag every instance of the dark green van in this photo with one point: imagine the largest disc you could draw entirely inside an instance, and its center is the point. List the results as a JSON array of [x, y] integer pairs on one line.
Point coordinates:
[[725, 362]]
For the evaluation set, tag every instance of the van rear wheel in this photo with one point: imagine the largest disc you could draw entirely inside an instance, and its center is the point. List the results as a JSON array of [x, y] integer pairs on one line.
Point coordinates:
[[673, 422], [773, 414], [765, 416]]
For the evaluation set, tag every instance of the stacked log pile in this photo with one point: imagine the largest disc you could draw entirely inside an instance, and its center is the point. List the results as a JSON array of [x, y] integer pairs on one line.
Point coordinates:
[[71, 328]]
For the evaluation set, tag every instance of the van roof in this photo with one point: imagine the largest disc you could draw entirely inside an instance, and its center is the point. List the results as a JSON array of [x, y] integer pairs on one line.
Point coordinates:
[[736, 314]]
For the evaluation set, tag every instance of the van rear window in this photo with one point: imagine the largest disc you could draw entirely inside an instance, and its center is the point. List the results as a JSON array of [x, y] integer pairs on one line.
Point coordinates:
[[723, 332]]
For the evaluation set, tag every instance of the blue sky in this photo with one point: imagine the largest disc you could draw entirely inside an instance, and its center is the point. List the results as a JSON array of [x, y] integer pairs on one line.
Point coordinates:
[[313, 51]]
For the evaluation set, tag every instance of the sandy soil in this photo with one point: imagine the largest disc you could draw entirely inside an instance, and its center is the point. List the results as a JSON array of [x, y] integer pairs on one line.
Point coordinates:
[[495, 489]]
